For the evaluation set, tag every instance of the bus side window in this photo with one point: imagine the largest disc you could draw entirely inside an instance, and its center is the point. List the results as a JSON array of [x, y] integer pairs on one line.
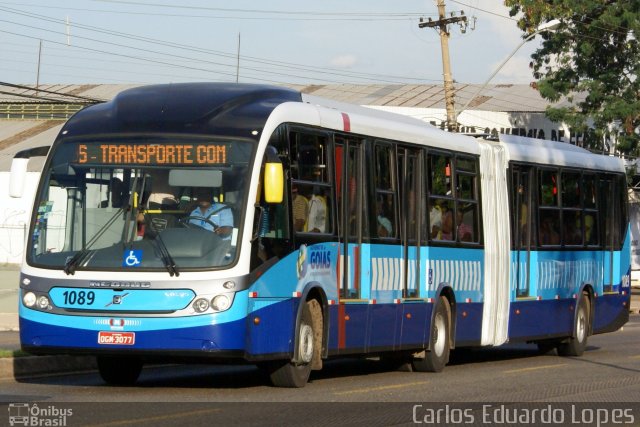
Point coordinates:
[[385, 191], [310, 188]]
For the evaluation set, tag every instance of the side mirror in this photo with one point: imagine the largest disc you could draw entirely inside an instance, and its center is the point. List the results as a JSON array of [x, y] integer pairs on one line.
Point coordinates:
[[19, 169], [17, 177], [273, 183]]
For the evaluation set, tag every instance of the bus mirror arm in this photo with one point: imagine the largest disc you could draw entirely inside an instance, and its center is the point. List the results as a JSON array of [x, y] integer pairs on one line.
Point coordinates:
[[19, 164]]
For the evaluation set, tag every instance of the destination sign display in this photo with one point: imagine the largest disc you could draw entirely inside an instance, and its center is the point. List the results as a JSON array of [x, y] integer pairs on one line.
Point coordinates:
[[152, 154]]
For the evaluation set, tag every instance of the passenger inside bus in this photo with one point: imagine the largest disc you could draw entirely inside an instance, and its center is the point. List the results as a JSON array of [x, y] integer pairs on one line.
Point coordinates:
[[317, 213], [116, 194], [445, 231], [158, 204], [548, 233], [465, 231], [211, 215], [435, 219], [384, 224], [300, 208], [162, 194], [524, 216], [590, 236]]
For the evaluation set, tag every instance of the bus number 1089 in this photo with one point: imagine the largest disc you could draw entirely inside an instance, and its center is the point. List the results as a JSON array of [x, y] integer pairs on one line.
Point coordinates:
[[79, 298]]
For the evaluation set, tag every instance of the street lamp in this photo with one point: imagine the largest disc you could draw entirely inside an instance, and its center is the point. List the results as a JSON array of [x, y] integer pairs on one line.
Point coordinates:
[[547, 26]]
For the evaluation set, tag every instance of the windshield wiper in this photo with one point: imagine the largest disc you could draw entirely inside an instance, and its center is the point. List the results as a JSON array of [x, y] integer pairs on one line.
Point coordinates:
[[167, 259], [71, 265]]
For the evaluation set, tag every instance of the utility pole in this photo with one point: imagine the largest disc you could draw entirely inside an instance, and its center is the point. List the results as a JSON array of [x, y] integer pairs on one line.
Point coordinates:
[[238, 61], [441, 25], [38, 72]]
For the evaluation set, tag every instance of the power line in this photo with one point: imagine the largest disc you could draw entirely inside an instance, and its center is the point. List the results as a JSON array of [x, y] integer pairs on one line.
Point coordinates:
[[166, 63], [83, 98], [39, 98], [75, 76], [318, 70], [624, 31], [265, 11], [361, 17]]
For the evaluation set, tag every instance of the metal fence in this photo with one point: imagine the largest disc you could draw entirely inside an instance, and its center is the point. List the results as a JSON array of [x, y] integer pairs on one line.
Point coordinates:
[[39, 111]]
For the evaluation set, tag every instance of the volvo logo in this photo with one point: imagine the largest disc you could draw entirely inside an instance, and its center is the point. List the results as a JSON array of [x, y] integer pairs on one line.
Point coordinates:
[[117, 299], [119, 285]]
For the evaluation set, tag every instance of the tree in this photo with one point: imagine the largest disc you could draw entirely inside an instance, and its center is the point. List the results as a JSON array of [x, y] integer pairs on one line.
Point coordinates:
[[595, 53]]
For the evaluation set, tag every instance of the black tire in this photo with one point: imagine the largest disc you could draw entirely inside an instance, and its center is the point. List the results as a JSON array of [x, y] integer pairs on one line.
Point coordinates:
[[121, 371], [295, 375], [546, 347], [397, 361], [437, 356], [576, 345]]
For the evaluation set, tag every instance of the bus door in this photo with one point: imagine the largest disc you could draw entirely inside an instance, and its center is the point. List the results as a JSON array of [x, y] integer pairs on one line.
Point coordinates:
[[352, 227], [412, 207], [522, 179], [607, 214]]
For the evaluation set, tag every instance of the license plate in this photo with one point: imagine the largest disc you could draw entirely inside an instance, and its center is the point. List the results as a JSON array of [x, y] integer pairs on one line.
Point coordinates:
[[117, 338]]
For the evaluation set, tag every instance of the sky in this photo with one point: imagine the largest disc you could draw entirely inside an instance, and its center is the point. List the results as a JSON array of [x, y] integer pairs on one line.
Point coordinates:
[[279, 41]]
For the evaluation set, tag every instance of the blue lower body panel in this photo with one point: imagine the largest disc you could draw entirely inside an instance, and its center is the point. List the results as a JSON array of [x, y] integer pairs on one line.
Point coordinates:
[[611, 312], [468, 324], [540, 319], [269, 330], [533, 319], [225, 337], [270, 335]]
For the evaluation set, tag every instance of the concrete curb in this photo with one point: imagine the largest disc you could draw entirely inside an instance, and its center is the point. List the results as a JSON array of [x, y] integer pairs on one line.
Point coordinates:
[[35, 366]]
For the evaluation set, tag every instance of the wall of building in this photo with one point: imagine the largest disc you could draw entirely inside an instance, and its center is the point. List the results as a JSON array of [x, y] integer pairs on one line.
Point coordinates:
[[529, 124]]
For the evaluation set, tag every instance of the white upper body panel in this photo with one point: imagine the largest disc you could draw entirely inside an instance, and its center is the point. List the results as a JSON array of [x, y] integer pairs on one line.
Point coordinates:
[[539, 151]]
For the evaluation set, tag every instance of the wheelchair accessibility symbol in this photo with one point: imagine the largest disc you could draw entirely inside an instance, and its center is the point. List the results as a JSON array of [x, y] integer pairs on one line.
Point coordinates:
[[131, 258]]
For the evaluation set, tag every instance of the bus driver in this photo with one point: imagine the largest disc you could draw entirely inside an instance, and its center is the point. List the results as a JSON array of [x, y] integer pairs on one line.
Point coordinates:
[[207, 213]]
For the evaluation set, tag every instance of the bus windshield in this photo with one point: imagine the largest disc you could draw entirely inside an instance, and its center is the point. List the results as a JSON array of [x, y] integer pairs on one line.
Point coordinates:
[[141, 204]]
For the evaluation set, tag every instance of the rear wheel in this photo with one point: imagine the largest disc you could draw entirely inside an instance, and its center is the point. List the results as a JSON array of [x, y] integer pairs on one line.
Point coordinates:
[[119, 370], [576, 345], [296, 375], [437, 356]]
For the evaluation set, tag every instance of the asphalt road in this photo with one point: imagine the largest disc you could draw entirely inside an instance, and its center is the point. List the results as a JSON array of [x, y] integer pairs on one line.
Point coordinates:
[[609, 371]]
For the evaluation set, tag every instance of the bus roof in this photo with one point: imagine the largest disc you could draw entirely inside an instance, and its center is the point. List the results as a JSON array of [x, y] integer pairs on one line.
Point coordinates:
[[541, 151], [376, 123], [195, 108], [236, 110]]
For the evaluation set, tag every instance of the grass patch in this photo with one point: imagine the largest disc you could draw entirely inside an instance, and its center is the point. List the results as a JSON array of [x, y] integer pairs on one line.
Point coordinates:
[[13, 353]]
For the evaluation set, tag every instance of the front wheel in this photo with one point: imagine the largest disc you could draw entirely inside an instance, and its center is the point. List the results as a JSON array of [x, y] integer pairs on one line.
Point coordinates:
[[296, 375], [576, 345], [122, 371], [437, 356]]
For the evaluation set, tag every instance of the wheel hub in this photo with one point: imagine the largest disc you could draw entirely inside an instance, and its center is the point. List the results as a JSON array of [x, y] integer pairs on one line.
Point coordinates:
[[305, 348]]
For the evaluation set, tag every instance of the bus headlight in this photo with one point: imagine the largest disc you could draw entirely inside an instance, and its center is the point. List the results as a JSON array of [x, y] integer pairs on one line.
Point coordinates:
[[43, 302], [220, 303], [29, 299], [201, 305]]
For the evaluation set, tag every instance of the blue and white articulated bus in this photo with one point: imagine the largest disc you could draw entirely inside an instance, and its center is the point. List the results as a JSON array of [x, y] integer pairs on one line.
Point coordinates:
[[255, 224]]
